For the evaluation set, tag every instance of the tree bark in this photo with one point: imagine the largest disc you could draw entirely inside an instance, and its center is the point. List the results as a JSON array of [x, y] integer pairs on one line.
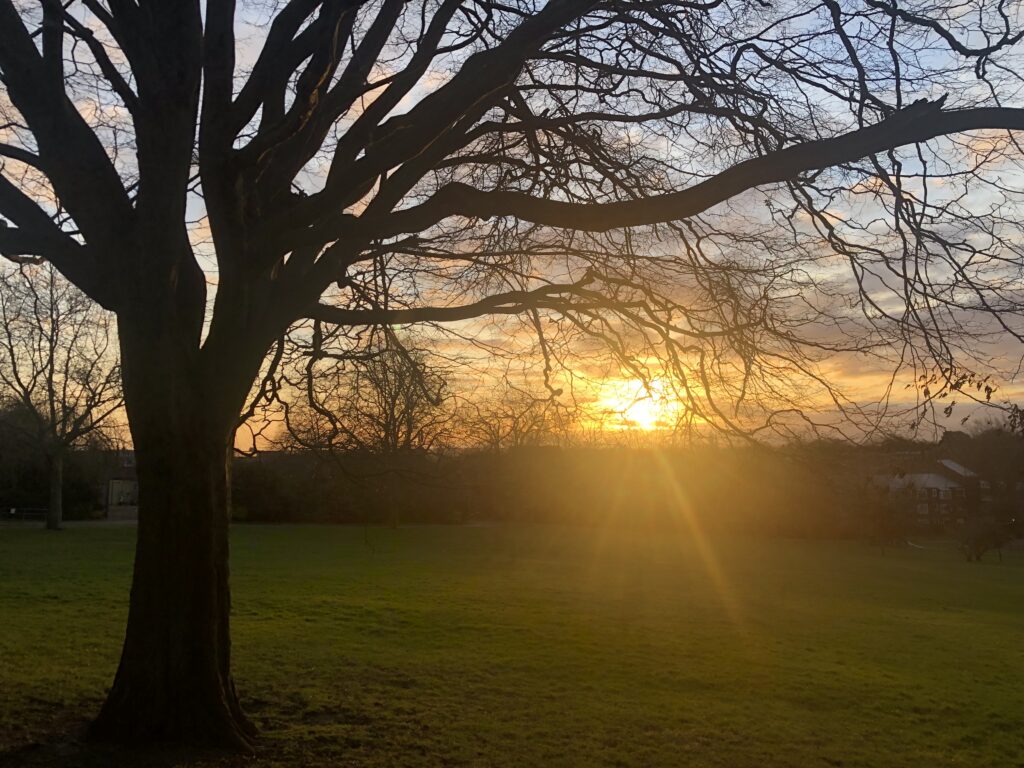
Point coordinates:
[[55, 510], [174, 680], [174, 683]]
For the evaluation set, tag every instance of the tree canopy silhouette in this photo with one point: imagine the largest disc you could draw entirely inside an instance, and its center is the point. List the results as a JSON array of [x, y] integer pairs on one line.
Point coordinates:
[[737, 188]]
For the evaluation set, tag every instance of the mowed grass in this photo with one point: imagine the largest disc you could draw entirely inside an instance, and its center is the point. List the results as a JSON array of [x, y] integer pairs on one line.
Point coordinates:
[[550, 646]]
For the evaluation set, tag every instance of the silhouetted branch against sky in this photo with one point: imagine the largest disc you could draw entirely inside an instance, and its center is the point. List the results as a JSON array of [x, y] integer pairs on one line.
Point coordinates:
[[751, 194]]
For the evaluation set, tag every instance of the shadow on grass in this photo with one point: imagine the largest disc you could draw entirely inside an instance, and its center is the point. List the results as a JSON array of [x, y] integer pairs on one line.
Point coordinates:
[[68, 747], [78, 754], [59, 740]]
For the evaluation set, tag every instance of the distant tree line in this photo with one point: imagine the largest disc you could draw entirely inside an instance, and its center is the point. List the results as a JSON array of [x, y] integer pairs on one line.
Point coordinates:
[[25, 483], [820, 489], [377, 433]]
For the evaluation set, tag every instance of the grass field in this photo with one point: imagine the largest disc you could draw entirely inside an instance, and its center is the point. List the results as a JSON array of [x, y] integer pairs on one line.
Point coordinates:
[[492, 646]]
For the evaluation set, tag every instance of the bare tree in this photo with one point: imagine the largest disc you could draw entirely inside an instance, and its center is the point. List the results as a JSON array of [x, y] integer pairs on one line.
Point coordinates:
[[734, 189], [377, 403], [382, 397], [58, 367], [514, 418]]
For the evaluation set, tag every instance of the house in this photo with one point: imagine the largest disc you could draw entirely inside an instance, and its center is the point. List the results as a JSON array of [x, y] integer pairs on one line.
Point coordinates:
[[937, 493]]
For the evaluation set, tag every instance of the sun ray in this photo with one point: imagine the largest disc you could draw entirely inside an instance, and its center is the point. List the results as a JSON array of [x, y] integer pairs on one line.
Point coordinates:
[[684, 512]]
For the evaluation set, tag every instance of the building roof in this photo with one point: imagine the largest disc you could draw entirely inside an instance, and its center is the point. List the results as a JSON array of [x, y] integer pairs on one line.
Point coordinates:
[[917, 480], [957, 468]]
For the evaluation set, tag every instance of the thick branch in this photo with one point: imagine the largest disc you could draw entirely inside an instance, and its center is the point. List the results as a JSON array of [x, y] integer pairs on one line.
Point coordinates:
[[36, 235], [918, 123], [68, 147], [461, 100], [508, 303], [107, 67], [273, 62]]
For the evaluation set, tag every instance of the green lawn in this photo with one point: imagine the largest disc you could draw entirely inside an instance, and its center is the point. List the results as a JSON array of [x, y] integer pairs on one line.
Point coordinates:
[[494, 646]]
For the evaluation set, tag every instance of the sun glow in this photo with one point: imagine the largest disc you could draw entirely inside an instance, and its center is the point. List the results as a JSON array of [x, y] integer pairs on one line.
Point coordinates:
[[630, 404]]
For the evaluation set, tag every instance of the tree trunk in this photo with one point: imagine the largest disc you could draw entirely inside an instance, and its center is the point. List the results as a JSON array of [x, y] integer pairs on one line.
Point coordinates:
[[174, 680], [55, 511]]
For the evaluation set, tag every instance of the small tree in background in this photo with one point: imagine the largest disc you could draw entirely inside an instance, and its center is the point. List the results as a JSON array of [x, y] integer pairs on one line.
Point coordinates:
[[371, 408], [515, 418], [379, 396], [60, 381]]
